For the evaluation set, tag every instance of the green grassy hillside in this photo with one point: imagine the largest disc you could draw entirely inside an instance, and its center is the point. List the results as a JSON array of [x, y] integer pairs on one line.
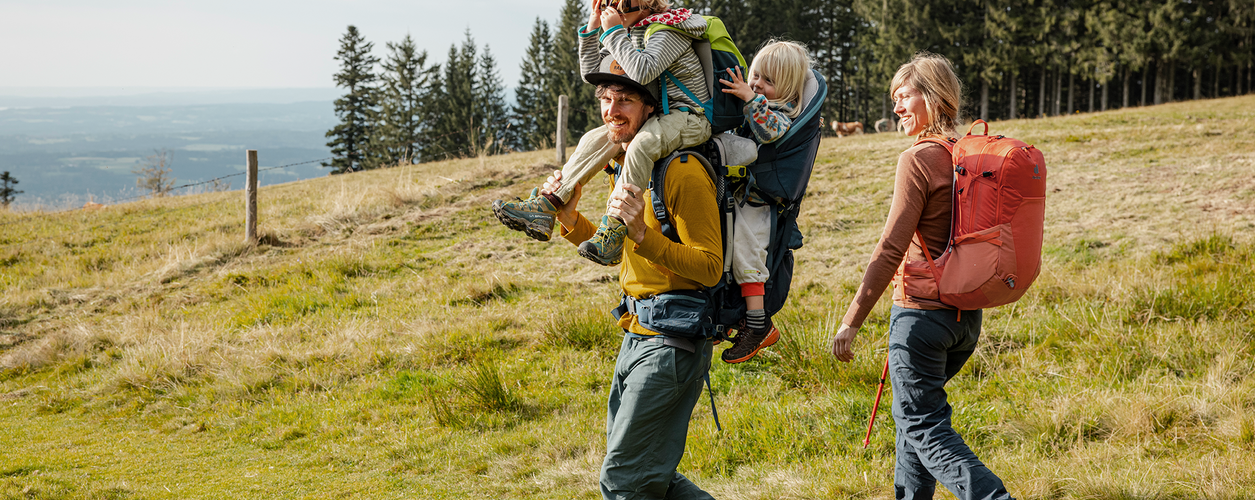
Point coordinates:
[[389, 339]]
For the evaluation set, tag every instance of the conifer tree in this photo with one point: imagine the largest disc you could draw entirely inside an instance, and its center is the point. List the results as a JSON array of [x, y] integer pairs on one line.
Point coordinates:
[[402, 96], [564, 71], [1169, 35], [831, 37], [533, 116], [452, 115], [490, 106], [431, 144], [1008, 23], [356, 109], [7, 191]]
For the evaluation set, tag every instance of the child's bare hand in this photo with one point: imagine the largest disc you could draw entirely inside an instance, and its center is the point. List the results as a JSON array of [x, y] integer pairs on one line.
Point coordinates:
[[628, 203], [610, 17], [594, 20], [737, 86]]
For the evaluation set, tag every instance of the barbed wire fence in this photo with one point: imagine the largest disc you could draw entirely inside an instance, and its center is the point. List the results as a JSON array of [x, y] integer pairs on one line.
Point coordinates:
[[560, 146], [142, 196], [41, 215]]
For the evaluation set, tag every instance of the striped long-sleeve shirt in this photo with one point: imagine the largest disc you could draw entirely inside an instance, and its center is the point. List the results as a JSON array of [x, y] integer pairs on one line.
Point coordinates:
[[644, 61]]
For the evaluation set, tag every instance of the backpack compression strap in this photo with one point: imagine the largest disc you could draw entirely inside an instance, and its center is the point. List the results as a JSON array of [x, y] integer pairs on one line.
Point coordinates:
[[666, 75]]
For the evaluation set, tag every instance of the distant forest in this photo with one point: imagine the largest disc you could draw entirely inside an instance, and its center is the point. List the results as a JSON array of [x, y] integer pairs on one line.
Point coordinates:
[[1016, 59]]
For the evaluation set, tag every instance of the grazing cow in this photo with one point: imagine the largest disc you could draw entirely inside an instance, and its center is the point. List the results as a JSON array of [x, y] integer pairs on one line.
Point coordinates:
[[847, 128], [91, 205], [884, 125]]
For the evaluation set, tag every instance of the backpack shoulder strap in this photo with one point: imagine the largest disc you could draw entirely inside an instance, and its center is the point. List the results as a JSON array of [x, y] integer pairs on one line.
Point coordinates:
[[657, 188], [701, 47], [954, 211], [937, 140]]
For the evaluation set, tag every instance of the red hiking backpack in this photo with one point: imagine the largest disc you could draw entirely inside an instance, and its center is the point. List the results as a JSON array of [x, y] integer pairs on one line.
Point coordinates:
[[996, 226]]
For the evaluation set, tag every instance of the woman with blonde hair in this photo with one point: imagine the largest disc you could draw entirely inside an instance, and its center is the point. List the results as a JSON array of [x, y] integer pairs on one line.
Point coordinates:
[[929, 342]]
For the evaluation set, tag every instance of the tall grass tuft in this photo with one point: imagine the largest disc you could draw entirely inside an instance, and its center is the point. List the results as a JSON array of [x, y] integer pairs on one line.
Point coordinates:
[[443, 411], [583, 330], [805, 351], [1211, 279], [487, 390]]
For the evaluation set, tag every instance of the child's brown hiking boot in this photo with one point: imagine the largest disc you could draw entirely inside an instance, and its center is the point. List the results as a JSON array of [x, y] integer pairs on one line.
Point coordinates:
[[748, 342], [534, 216]]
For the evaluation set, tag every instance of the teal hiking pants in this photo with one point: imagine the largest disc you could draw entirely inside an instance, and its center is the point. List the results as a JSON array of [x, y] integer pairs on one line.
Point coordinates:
[[652, 395]]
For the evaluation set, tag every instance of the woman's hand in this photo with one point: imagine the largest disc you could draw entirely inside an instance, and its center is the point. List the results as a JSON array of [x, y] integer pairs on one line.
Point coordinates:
[[627, 204], [568, 213], [737, 86], [843, 343]]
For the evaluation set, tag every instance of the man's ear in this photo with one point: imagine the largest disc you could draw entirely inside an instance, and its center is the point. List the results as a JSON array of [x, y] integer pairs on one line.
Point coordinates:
[[649, 110]]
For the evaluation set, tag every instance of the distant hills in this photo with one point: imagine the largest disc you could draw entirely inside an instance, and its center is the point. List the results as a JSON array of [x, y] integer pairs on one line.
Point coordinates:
[[65, 147], [29, 97]]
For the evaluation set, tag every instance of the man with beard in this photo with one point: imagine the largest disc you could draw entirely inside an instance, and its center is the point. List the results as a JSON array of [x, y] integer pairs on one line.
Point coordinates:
[[659, 372], [616, 34]]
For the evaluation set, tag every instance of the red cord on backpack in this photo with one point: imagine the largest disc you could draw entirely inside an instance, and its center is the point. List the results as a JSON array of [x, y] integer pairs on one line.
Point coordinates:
[[879, 390]]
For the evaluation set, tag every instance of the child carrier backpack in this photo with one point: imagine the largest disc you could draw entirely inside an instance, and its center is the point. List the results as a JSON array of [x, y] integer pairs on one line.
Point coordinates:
[[996, 225], [786, 162], [717, 53]]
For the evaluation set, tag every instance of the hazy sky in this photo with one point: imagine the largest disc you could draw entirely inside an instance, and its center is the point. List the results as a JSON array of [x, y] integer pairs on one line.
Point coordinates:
[[237, 43]]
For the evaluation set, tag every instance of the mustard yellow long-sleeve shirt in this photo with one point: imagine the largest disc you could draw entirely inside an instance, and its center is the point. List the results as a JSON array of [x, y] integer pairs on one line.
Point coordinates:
[[657, 264]]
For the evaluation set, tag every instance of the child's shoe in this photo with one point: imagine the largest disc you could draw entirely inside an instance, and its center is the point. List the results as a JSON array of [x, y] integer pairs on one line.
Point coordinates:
[[534, 216], [748, 342], [606, 245]]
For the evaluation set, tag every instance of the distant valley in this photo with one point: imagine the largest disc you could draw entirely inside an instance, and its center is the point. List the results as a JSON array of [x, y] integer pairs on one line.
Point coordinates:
[[65, 155]]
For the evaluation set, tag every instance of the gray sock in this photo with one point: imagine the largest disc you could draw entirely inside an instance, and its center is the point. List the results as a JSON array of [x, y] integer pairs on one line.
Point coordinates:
[[755, 319]]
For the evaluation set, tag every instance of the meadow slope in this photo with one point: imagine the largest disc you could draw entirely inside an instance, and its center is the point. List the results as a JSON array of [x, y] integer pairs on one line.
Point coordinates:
[[389, 339]]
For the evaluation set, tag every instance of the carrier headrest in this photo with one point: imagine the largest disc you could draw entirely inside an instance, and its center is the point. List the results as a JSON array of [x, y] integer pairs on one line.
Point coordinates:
[[809, 89]]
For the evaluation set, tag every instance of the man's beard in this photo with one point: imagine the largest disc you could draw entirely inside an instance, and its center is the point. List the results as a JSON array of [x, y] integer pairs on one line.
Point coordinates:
[[620, 136]]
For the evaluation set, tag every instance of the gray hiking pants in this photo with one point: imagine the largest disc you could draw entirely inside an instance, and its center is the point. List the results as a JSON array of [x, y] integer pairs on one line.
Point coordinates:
[[926, 349], [652, 395]]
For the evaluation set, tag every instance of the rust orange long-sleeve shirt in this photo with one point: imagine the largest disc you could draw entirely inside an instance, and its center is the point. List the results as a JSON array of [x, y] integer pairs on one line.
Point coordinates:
[[922, 193]]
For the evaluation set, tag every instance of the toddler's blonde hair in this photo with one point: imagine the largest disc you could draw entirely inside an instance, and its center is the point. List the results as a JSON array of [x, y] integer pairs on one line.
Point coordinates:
[[934, 78], [786, 64]]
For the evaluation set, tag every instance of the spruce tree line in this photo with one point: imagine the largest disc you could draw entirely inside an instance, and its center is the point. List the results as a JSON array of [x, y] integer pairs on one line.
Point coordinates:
[[1017, 58], [405, 110], [401, 109]]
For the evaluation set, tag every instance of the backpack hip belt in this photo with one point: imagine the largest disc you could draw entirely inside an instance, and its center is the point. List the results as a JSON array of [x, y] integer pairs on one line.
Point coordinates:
[[684, 314], [686, 345]]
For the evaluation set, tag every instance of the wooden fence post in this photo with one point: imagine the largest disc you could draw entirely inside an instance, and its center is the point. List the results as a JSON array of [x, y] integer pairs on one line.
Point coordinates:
[[561, 138], [250, 199]]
